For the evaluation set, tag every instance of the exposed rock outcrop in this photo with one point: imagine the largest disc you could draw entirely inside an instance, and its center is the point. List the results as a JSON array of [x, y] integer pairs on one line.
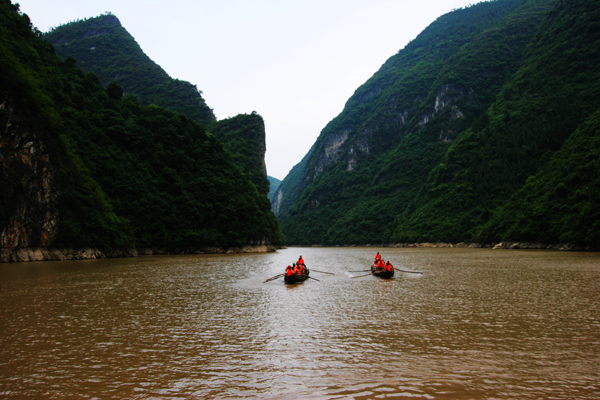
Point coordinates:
[[28, 203]]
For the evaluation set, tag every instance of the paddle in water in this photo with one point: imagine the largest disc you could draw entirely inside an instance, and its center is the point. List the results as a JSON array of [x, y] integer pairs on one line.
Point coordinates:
[[360, 276], [409, 272], [323, 272], [274, 277]]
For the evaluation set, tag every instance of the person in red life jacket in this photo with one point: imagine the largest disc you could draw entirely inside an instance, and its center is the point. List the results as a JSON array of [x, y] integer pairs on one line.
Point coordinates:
[[289, 270], [300, 261], [377, 258], [296, 268], [388, 266]]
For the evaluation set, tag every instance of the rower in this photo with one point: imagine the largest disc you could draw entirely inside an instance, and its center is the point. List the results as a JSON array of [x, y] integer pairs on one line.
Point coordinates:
[[388, 266], [377, 258]]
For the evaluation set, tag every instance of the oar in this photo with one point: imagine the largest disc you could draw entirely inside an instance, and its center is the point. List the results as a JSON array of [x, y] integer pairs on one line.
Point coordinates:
[[363, 275], [314, 279], [409, 272], [323, 272], [364, 270], [274, 277]]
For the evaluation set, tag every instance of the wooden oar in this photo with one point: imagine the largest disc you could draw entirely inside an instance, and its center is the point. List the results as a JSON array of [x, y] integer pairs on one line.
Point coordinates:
[[323, 272], [372, 273], [409, 272], [274, 277], [364, 270], [314, 279]]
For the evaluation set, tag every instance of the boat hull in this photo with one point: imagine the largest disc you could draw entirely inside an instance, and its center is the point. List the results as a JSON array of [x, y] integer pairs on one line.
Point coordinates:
[[382, 273], [295, 278]]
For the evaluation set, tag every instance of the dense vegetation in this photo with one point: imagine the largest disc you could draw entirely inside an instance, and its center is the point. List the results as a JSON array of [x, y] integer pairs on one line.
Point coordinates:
[[244, 138], [561, 200], [129, 174], [451, 138], [102, 46]]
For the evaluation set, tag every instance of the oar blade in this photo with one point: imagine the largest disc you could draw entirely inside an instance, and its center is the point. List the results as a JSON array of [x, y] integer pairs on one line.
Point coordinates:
[[322, 272], [273, 278], [360, 276]]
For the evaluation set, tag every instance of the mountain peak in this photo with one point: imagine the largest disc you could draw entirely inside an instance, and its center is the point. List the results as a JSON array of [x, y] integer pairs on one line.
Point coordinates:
[[103, 24]]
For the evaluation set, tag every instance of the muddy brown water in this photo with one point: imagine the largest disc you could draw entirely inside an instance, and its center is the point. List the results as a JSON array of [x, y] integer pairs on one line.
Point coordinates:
[[477, 324]]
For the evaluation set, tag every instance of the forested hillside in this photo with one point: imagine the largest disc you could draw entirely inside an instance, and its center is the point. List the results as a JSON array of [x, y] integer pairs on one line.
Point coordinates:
[[85, 166], [457, 136], [103, 46]]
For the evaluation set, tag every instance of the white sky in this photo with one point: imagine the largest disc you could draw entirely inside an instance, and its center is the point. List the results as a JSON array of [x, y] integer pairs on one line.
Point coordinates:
[[295, 62]]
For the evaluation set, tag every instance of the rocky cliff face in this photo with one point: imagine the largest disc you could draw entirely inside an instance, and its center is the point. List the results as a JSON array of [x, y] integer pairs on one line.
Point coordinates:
[[29, 216], [372, 161], [351, 145]]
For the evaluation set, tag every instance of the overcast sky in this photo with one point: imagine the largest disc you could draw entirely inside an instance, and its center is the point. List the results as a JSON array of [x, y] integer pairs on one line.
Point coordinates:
[[295, 62]]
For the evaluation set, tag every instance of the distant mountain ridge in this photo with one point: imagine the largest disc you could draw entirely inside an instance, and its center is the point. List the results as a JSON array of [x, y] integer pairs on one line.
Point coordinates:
[[103, 46], [433, 147]]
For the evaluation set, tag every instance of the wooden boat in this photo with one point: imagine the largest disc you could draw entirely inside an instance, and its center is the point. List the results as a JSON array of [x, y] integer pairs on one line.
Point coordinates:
[[294, 278], [382, 272]]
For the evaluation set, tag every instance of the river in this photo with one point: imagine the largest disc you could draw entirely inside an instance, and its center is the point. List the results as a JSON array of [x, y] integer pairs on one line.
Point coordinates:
[[476, 324]]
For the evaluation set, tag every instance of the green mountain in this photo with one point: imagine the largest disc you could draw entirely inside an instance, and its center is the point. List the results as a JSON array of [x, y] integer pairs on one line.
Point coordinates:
[[85, 166], [103, 46], [456, 136], [273, 186]]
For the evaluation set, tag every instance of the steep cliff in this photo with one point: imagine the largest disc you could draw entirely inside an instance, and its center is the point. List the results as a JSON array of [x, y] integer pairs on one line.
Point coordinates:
[[29, 195], [84, 167], [449, 128], [244, 137], [554, 91], [42, 183]]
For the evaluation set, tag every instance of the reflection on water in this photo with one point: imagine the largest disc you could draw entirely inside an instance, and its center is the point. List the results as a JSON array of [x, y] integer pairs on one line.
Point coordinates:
[[477, 324]]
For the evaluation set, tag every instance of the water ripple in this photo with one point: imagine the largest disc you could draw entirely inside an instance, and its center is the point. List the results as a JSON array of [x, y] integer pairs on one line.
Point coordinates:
[[477, 324]]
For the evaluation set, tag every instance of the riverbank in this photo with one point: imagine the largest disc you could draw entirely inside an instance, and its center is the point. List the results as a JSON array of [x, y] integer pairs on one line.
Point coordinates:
[[44, 254], [501, 245]]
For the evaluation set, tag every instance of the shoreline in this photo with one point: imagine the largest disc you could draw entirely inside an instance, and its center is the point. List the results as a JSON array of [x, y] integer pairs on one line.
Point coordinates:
[[50, 254], [494, 246], [28, 254]]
